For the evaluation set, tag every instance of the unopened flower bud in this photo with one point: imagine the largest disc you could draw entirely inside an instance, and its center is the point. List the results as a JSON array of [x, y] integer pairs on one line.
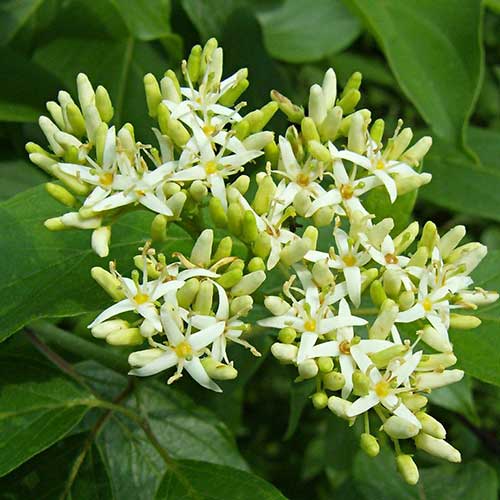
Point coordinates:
[[331, 124], [437, 361], [264, 195], [356, 141], [194, 63], [60, 194], [256, 264], [463, 321], [367, 278], [224, 249], [377, 130], [177, 132], [308, 369], [414, 402], [294, 113], [100, 240], [108, 282], [407, 468], [323, 216], [237, 264], [430, 237], [369, 444], [218, 371], [56, 113], [319, 400], [74, 119], [241, 306], [249, 231], [234, 93], [433, 380], [294, 252], [317, 104], [309, 130], [204, 298], [55, 224], [400, 428], [333, 381], [202, 249], [434, 339], [217, 212], [262, 245], [276, 305], [287, 335], [49, 128], [414, 155], [321, 273], [419, 258], [187, 293], [437, 447], [385, 320], [360, 383], [329, 87], [399, 144], [325, 364], [285, 353], [406, 300], [392, 282], [139, 359], [310, 237], [198, 190], [377, 293], [349, 102], [102, 330], [103, 104], [230, 278], [469, 255], [125, 337], [431, 426], [340, 407], [248, 284], [159, 228], [404, 239], [382, 358]]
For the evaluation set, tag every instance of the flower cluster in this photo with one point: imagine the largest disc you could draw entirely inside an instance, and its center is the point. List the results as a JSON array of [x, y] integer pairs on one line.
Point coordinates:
[[363, 311]]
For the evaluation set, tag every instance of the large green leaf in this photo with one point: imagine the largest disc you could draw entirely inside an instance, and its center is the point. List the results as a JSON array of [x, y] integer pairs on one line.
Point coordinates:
[[460, 184], [434, 49], [298, 31], [120, 66], [37, 408], [195, 480], [475, 349], [17, 176], [14, 14], [47, 274]]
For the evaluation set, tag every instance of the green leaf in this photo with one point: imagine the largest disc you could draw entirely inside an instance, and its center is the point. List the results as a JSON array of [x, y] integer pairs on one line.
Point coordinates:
[[434, 49], [37, 408], [147, 19], [47, 274], [120, 67], [17, 176], [460, 184], [14, 14], [299, 397], [475, 348], [195, 480], [297, 31]]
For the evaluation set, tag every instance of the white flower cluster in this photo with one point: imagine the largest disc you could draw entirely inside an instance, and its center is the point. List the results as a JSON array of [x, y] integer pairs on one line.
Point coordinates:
[[187, 311], [363, 311]]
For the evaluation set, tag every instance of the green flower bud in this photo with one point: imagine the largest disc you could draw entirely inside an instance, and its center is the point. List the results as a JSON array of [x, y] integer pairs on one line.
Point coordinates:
[[450, 240], [377, 293], [241, 306], [102, 330], [173, 77], [321, 273], [406, 300], [302, 202], [354, 82], [125, 337], [276, 305], [333, 381], [176, 204], [431, 426], [433, 380], [329, 129], [100, 140], [360, 383], [60, 194], [284, 353], [55, 224], [177, 132], [437, 447], [249, 231], [151, 269], [309, 130], [241, 129], [202, 249], [367, 278], [287, 335], [325, 364], [293, 112], [419, 258], [349, 102], [377, 130], [308, 369], [110, 284], [430, 237], [217, 212], [319, 400], [392, 283], [437, 361], [369, 444], [268, 111], [204, 298], [235, 218], [463, 321], [218, 371], [399, 428], [264, 195], [248, 284], [159, 228], [414, 155], [404, 239], [310, 237], [163, 115], [319, 151], [382, 358], [317, 104], [103, 104], [414, 402], [92, 120], [323, 216], [434, 339], [237, 264], [398, 145], [187, 293], [74, 119], [230, 278], [142, 358], [198, 190], [381, 327], [294, 252], [56, 113], [224, 249], [339, 407], [234, 93], [262, 245], [256, 264], [49, 128], [241, 184], [407, 468]]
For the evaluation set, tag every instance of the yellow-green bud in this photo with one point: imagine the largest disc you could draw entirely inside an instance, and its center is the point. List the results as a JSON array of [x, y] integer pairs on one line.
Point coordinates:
[[437, 361], [325, 364], [55, 224], [237, 264], [437, 447], [241, 306], [431, 426], [323, 216], [198, 190], [331, 125], [177, 132], [392, 283], [61, 194], [249, 231], [287, 335], [294, 252], [319, 400], [430, 237], [262, 245], [419, 258], [103, 104], [285, 353], [234, 93], [74, 120], [204, 298], [176, 204], [224, 249], [399, 144], [310, 237], [317, 104], [404, 239], [382, 358], [218, 371], [400, 428], [163, 114], [242, 183], [463, 321], [159, 228], [308, 369], [102, 330], [49, 128], [125, 337], [369, 444], [406, 300], [377, 130], [241, 129], [187, 293], [268, 111], [264, 195], [354, 82], [86, 94], [110, 284], [356, 140], [100, 140], [309, 130], [333, 381], [319, 151], [408, 469], [193, 64], [302, 202], [381, 327], [256, 264], [321, 273], [377, 293], [360, 383], [217, 212], [367, 278], [414, 402], [230, 278], [293, 112], [349, 102], [249, 283], [235, 218]]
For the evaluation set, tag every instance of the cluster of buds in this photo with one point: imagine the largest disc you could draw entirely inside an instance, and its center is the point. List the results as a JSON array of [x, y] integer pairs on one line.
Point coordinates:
[[365, 313], [186, 311]]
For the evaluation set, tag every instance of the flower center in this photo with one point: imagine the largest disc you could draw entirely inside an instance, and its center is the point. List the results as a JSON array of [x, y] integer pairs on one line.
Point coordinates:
[[390, 258], [349, 260], [211, 167], [208, 129], [346, 191], [310, 325], [183, 350], [140, 192], [106, 179], [345, 347], [427, 304], [303, 180], [382, 389], [380, 165], [141, 298]]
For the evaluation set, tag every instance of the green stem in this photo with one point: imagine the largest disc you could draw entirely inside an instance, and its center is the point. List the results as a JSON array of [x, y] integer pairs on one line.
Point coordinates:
[[79, 346]]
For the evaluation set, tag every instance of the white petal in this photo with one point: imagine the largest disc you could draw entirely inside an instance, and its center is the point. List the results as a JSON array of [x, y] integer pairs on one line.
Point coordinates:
[[307, 341], [412, 314], [363, 404], [196, 370], [114, 201], [218, 188], [347, 367], [118, 308], [149, 311], [164, 362], [205, 337], [330, 348], [353, 280]]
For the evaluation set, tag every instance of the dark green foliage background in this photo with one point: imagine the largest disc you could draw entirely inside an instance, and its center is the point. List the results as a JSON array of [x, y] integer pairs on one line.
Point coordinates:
[[86, 431]]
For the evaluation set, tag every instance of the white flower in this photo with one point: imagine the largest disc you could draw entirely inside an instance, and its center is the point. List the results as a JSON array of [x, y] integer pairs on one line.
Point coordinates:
[[183, 351], [211, 167], [309, 316], [349, 260], [384, 388]]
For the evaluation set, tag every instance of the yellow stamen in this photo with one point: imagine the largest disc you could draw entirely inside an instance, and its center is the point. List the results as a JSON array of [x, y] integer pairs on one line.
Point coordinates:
[[106, 179], [346, 191], [382, 389], [390, 258], [380, 165], [208, 129], [310, 325], [345, 347], [183, 350], [141, 298], [303, 180], [349, 259], [140, 192], [427, 303], [211, 167]]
